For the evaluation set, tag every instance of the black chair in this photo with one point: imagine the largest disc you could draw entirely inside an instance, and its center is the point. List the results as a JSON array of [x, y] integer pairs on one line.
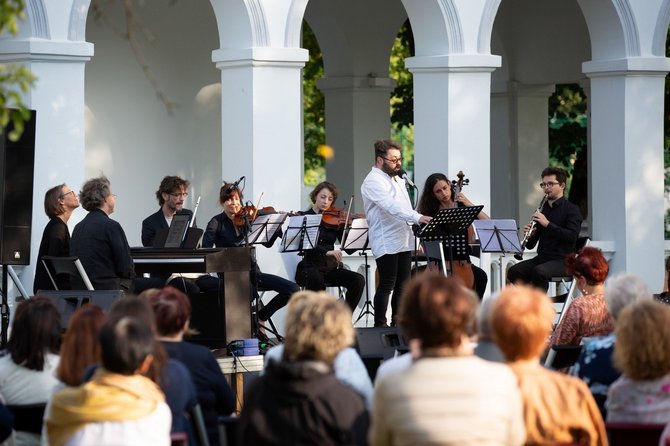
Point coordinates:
[[28, 417], [562, 356], [626, 434], [228, 430], [67, 265]]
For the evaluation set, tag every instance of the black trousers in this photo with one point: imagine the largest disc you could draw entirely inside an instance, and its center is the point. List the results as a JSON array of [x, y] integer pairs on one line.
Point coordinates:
[[315, 279], [394, 270], [536, 271]]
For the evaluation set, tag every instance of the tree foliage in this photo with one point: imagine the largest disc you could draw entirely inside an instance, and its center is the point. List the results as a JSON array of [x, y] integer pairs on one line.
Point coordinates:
[[15, 80], [314, 110]]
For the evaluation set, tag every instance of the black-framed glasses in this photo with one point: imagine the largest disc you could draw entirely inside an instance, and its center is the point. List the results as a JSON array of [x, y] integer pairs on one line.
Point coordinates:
[[67, 193], [549, 184], [394, 160], [179, 194]]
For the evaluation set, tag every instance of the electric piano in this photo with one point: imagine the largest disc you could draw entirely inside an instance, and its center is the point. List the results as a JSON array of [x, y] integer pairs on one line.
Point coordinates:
[[231, 308]]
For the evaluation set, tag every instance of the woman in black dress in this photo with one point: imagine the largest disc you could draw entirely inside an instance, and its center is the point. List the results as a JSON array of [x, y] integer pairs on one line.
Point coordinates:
[[322, 265], [59, 203]]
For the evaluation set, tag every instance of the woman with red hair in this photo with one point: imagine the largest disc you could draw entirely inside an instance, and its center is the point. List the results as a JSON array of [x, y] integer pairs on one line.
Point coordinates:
[[587, 315]]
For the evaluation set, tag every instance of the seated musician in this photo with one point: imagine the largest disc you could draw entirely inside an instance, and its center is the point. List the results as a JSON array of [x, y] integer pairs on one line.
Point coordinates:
[[324, 263], [223, 233], [170, 195], [437, 194]]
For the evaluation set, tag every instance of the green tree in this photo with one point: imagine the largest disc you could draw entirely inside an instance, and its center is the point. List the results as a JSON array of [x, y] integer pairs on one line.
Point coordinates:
[[314, 110], [15, 80]]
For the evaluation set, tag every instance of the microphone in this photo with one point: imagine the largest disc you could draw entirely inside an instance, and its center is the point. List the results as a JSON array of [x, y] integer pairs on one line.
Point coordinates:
[[235, 185], [405, 177]]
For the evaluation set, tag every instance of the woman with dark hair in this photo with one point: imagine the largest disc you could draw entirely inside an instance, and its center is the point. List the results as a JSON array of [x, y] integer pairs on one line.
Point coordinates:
[[172, 311], [587, 315], [439, 193], [28, 372], [222, 233], [322, 264], [448, 395], [80, 347], [59, 203]]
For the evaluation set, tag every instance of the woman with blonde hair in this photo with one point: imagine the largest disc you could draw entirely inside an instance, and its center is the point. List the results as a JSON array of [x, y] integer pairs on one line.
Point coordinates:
[[299, 400], [642, 353]]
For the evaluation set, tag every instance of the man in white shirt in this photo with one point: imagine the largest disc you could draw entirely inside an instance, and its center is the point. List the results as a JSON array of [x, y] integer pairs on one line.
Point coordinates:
[[390, 215]]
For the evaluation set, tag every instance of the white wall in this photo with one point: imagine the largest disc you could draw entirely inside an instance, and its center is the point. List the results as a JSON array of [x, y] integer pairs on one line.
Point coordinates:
[[129, 134]]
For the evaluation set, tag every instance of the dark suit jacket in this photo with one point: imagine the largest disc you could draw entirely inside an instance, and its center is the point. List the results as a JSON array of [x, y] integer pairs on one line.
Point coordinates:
[[153, 223], [102, 247]]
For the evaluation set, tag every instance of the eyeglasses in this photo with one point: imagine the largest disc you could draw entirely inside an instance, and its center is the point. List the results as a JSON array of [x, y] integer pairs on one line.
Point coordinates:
[[549, 184], [68, 193], [179, 194], [394, 160]]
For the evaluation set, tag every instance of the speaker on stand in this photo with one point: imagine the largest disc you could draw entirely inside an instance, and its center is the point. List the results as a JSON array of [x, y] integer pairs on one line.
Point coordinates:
[[17, 162]]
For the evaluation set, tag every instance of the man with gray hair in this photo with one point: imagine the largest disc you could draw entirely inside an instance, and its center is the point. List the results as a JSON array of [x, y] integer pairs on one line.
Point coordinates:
[[100, 242]]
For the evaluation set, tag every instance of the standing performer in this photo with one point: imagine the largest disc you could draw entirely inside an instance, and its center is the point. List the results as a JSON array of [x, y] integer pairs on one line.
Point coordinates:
[[222, 232], [438, 194], [323, 264], [390, 216], [556, 229], [59, 203]]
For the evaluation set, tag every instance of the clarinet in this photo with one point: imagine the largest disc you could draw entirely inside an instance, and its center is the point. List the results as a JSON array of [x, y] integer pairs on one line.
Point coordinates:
[[530, 231]]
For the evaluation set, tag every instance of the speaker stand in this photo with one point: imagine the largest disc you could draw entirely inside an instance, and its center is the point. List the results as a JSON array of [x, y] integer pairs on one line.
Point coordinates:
[[4, 308]]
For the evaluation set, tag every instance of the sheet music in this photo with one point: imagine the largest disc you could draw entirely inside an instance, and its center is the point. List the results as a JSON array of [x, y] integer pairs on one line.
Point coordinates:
[[498, 235], [302, 233], [357, 235], [264, 227]]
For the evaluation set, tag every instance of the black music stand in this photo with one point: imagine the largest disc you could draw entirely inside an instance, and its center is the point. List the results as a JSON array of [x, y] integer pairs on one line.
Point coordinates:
[[356, 239], [498, 236], [450, 227], [302, 233]]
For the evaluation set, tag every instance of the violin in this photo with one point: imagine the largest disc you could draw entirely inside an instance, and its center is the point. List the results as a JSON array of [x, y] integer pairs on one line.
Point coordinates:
[[338, 218], [250, 212]]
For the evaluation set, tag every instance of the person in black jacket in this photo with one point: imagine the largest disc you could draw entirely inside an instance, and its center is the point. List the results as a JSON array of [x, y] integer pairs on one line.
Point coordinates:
[[557, 227], [59, 203], [323, 264], [299, 400]]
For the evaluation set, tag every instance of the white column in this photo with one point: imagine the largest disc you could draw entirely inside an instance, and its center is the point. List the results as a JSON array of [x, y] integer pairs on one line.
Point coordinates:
[[627, 163], [58, 98], [356, 116], [519, 149], [261, 113]]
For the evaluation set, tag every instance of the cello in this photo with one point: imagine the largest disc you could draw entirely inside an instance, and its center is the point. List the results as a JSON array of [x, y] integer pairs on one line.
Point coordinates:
[[462, 268]]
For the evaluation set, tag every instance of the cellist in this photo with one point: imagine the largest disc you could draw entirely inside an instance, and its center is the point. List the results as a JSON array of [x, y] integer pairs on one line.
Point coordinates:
[[438, 193]]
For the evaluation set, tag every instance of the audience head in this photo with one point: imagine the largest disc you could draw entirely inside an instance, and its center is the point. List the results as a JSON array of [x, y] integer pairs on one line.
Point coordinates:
[[125, 344], [172, 311], [642, 348], [622, 290], [437, 310], [318, 327], [81, 347], [35, 332], [94, 193], [521, 319], [484, 328], [589, 264]]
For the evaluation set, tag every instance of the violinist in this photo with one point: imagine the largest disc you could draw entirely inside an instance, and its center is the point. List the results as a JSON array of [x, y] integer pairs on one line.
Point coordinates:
[[438, 193], [223, 233], [324, 263]]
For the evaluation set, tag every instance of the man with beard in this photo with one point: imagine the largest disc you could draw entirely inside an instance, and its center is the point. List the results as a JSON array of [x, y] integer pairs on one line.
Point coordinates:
[[557, 227], [170, 195], [390, 216]]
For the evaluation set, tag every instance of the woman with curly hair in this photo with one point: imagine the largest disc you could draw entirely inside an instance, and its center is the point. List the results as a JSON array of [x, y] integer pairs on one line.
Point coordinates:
[[642, 353], [587, 315]]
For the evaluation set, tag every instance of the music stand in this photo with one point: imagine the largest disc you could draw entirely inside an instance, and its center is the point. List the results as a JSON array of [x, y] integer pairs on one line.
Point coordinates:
[[450, 227], [264, 228], [302, 233], [498, 236], [356, 239]]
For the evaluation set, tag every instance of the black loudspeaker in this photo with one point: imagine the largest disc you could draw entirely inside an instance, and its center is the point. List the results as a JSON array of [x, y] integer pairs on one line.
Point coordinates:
[[68, 301], [17, 162], [378, 344]]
